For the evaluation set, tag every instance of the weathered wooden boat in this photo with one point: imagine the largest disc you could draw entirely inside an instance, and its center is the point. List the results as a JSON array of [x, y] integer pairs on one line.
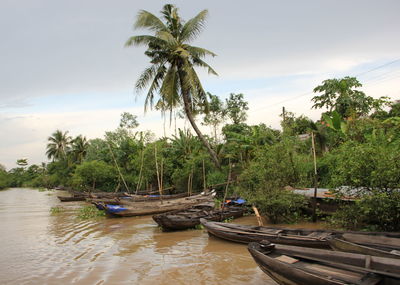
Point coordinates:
[[292, 265], [299, 237], [82, 196], [155, 207], [246, 234], [190, 218], [134, 198], [70, 199], [372, 245]]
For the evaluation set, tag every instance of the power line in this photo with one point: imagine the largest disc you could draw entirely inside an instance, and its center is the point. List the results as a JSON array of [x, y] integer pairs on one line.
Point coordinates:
[[311, 92], [378, 67]]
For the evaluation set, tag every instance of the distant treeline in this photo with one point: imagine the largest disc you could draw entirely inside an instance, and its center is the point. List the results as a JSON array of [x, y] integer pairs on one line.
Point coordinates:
[[357, 143]]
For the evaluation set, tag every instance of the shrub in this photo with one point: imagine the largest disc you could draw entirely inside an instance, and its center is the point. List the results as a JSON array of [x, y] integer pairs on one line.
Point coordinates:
[[377, 211]]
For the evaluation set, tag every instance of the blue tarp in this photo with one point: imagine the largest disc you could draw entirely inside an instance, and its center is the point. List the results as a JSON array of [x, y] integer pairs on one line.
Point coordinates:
[[238, 201], [115, 208]]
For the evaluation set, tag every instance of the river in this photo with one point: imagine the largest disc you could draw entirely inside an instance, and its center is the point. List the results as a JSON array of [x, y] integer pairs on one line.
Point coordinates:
[[37, 247]]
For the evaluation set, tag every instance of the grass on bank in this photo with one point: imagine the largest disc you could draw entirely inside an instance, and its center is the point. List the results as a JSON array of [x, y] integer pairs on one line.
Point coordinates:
[[90, 212]]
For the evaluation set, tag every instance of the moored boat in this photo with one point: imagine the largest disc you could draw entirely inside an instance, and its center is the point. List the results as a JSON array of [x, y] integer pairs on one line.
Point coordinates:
[[246, 234], [299, 237], [372, 245], [190, 218], [155, 207], [298, 266]]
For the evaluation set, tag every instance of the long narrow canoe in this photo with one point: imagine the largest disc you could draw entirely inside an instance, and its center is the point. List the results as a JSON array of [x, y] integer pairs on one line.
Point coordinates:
[[298, 237], [135, 198], [376, 240], [190, 218], [246, 234], [71, 199], [347, 246], [298, 266], [156, 207]]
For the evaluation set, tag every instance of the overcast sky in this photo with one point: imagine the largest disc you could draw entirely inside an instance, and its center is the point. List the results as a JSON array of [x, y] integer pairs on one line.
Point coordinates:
[[63, 64]]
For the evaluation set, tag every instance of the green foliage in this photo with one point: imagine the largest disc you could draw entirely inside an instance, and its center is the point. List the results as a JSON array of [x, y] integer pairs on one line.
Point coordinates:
[[341, 95], [58, 146], [216, 114], [236, 108], [128, 121], [277, 166], [55, 210], [377, 211], [280, 206], [369, 166], [335, 122], [90, 212], [293, 125], [95, 175], [172, 75], [5, 180]]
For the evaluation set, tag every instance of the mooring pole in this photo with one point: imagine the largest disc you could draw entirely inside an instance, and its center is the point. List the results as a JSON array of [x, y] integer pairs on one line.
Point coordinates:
[[314, 215]]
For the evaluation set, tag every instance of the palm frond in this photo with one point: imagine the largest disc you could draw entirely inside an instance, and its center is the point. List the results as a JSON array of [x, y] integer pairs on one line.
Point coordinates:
[[154, 86], [167, 37], [143, 40], [170, 89], [198, 51], [145, 77], [201, 63], [149, 21], [193, 27]]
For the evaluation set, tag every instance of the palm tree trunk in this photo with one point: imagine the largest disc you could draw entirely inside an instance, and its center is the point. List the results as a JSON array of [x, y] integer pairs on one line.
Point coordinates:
[[197, 130]]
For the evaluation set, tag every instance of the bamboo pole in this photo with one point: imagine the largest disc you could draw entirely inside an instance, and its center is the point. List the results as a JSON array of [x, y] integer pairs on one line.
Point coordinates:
[[204, 178], [191, 181], [116, 164], [227, 185], [158, 175], [259, 219], [314, 215], [161, 175], [140, 173]]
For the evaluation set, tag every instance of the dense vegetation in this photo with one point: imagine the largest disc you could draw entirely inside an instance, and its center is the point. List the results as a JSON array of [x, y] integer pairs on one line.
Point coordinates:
[[357, 142]]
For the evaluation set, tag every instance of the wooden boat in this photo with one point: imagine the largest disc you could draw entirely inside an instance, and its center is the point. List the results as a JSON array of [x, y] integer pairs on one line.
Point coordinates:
[[292, 265], [372, 245], [135, 198], [246, 234], [299, 237], [70, 199], [190, 218], [377, 240], [156, 207]]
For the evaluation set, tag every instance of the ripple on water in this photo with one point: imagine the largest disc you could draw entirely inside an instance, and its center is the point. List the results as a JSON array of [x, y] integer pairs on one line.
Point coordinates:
[[40, 248]]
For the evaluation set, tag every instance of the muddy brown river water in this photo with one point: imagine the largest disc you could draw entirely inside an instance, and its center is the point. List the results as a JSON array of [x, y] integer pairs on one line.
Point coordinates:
[[37, 247]]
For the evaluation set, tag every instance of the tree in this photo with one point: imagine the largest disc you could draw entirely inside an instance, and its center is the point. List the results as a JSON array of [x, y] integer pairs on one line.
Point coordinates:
[[236, 108], [58, 146], [79, 147], [128, 121], [95, 174], [342, 96], [216, 114], [172, 74]]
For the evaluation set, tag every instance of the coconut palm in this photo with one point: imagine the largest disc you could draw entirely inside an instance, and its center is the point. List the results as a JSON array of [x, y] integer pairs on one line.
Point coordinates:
[[58, 146], [171, 74], [79, 147]]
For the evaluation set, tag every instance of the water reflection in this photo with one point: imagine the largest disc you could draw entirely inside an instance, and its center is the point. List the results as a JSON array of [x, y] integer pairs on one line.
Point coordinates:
[[40, 248]]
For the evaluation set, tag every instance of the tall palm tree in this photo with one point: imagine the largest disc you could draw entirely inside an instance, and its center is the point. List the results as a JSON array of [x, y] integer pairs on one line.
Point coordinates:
[[58, 146], [171, 73], [79, 146]]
